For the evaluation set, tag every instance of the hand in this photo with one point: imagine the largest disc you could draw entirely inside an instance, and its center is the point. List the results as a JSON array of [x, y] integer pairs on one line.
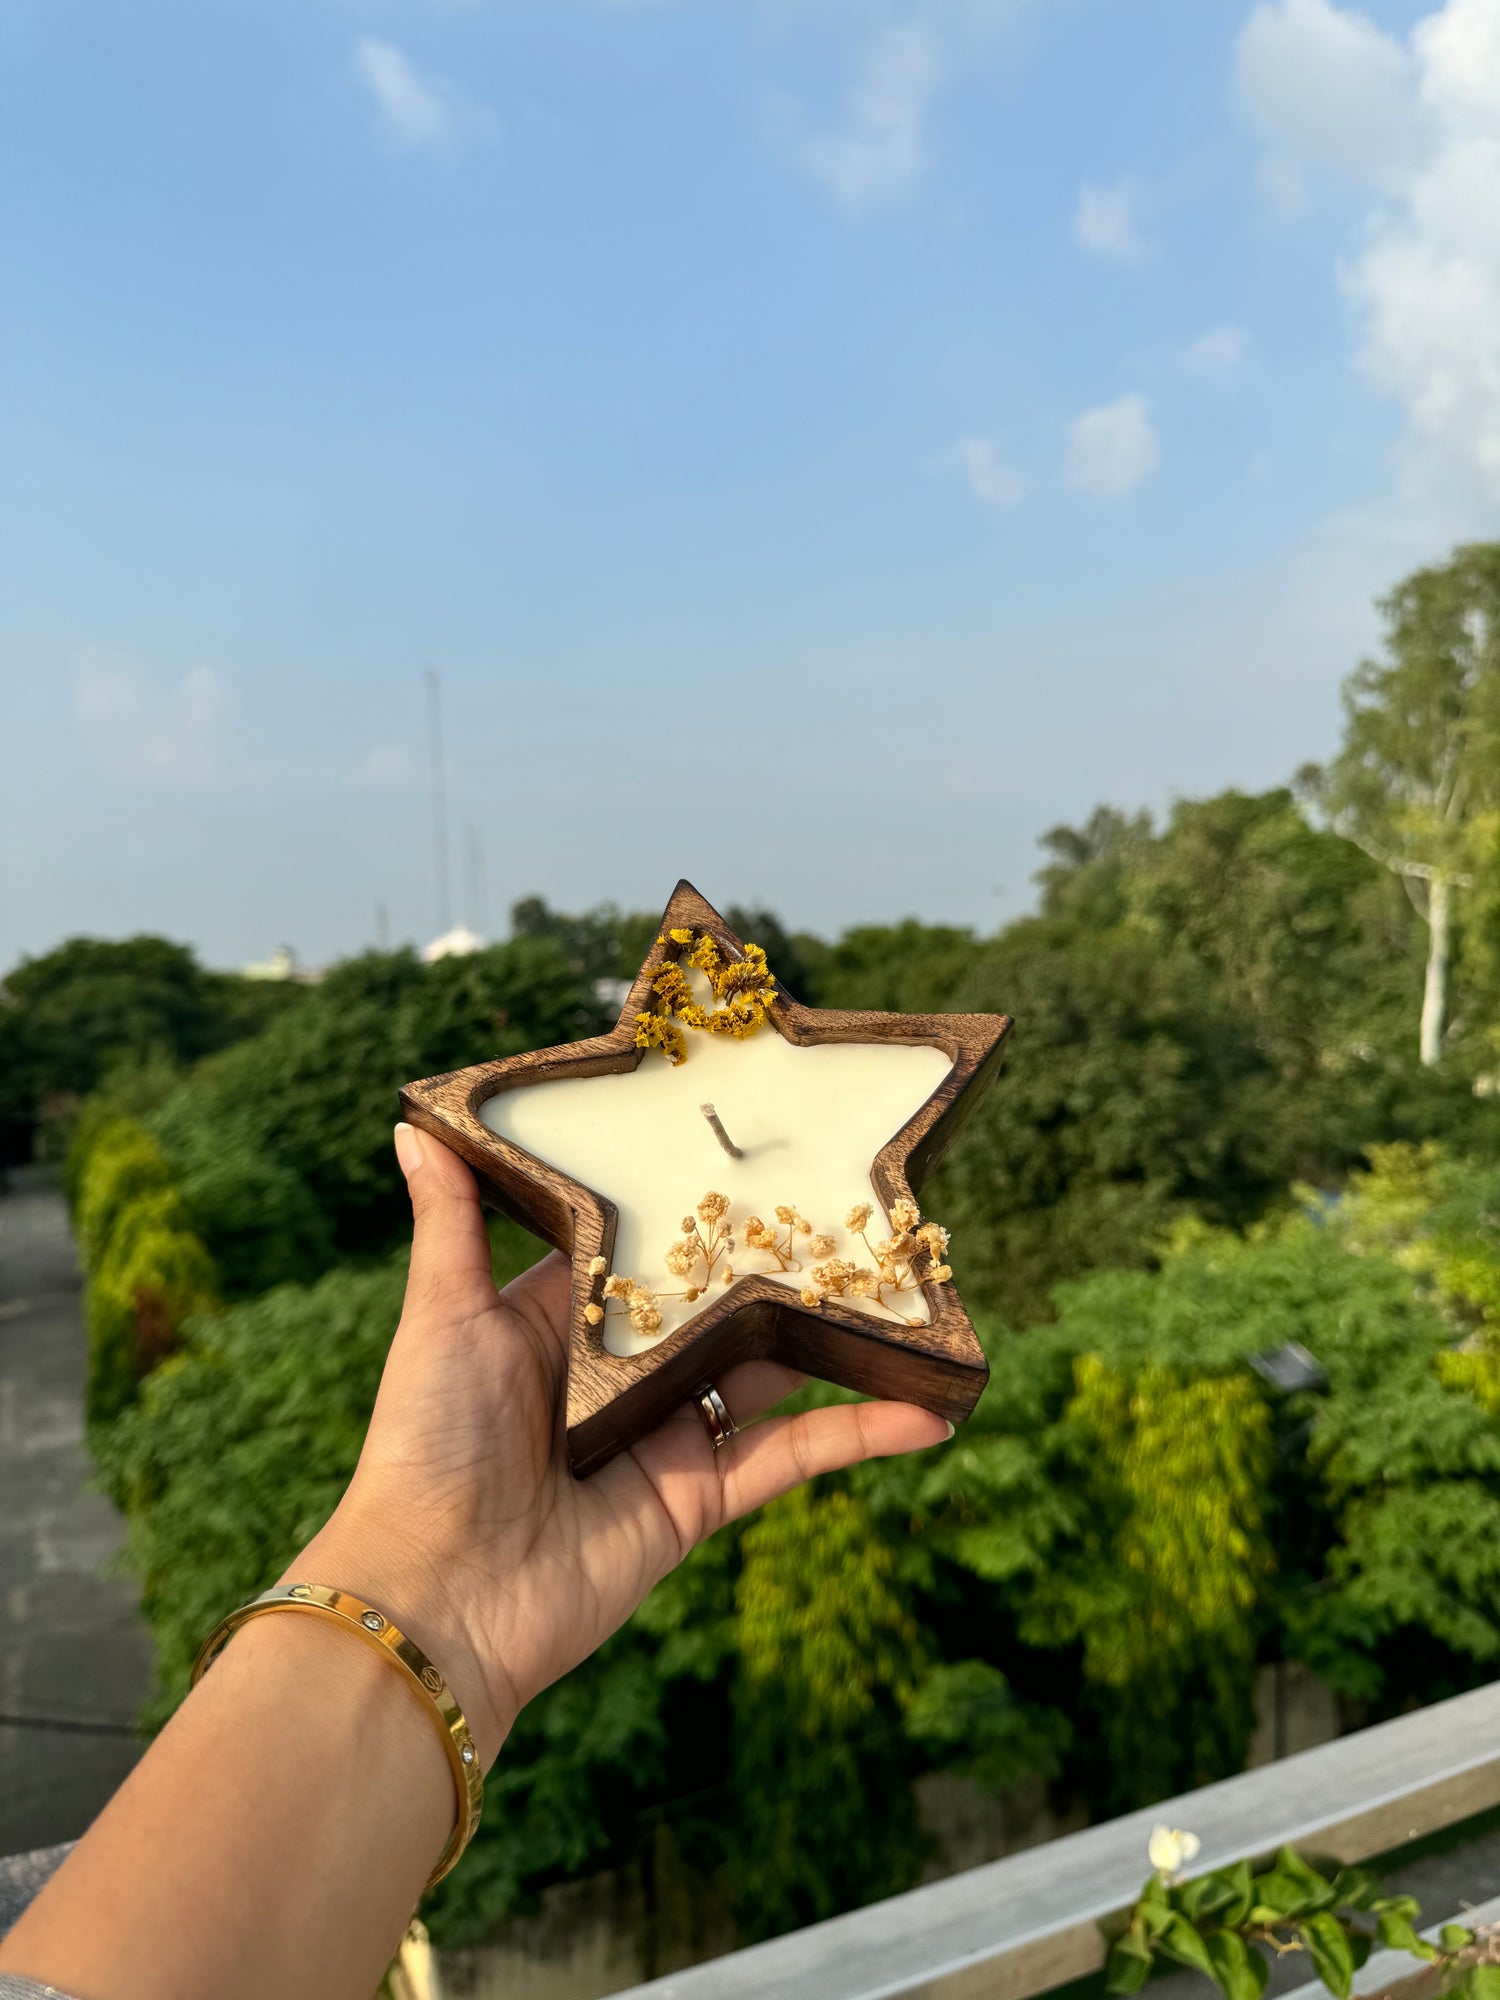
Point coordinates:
[[463, 1520]]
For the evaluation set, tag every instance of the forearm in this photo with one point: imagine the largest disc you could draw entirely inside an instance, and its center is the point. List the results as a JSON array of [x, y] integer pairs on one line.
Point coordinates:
[[275, 1838]]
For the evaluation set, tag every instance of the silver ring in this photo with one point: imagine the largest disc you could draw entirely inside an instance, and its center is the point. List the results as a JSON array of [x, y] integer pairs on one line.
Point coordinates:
[[721, 1427]]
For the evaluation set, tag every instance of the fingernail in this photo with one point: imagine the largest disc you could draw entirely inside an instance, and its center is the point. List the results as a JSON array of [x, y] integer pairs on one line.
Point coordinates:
[[950, 1430], [408, 1149]]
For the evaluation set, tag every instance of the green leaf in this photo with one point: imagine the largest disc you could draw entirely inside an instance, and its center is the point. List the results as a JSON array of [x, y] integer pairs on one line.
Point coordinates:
[[1325, 1938], [1317, 1888], [1355, 1889], [1180, 1941], [1455, 1936], [1403, 1906], [1129, 1964], [1239, 1971], [1396, 1934], [1209, 1894], [1480, 1982], [1237, 1909], [1288, 1895], [1154, 1895]]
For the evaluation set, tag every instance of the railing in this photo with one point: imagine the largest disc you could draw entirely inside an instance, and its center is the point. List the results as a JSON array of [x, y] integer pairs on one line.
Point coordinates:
[[1019, 1926]]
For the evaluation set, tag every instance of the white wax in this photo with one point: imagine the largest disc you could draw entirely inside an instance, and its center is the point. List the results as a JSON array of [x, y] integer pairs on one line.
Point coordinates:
[[808, 1121]]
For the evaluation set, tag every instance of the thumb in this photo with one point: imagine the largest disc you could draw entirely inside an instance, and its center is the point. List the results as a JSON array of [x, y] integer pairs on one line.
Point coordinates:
[[450, 1248]]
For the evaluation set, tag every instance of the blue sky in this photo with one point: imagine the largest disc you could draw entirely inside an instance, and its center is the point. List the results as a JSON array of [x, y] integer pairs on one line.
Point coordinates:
[[821, 443]]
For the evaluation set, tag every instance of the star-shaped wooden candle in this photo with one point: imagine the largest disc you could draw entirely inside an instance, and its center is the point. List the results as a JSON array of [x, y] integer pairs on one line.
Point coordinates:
[[606, 1150]]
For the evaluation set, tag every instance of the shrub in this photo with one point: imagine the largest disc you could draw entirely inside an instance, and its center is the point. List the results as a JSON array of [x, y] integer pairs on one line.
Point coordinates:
[[152, 1277], [122, 1163]]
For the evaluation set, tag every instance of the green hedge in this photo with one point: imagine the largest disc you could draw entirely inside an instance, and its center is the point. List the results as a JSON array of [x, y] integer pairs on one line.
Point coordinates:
[[147, 1271]]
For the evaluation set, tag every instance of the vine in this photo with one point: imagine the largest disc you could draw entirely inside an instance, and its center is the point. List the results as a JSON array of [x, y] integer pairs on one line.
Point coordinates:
[[1223, 1924]]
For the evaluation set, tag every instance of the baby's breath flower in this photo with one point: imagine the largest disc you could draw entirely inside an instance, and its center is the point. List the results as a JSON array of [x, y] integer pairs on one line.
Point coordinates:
[[714, 1207], [785, 1214], [689, 1225], [940, 1273], [645, 1318], [858, 1216], [690, 1294], [810, 1297], [934, 1238], [593, 1314], [598, 1266], [821, 1246], [905, 1214], [616, 1287], [803, 1226], [681, 1259], [865, 1284], [833, 1277], [726, 1276]]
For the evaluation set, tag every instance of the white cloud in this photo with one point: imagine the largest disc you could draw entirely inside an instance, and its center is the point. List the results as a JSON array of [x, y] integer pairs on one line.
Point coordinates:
[[1107, 220], [879, 153], [1418, 125], [1216, 355], [133, 732], [415, 112], [978, 462], [1325, 91], [1113, 448]]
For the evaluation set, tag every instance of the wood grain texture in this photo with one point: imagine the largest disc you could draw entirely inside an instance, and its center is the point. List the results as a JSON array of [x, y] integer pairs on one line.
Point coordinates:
[[615, 1399]]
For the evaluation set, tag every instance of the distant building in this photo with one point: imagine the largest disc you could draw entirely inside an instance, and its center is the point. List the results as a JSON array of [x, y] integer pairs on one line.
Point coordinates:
[[282, 964], [457, 943]]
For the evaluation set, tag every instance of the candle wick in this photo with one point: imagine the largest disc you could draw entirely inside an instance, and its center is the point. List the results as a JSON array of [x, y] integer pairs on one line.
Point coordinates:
[[719, 1133]]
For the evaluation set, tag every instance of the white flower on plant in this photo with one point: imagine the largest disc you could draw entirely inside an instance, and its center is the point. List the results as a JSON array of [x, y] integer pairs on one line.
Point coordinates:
[[1169, 1849]]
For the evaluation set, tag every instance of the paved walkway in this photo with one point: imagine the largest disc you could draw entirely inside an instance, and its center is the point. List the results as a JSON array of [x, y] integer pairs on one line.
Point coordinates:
[[75, 1656]]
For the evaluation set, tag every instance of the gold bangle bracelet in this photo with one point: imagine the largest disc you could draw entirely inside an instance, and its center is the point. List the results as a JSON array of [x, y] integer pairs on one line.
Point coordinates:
[[341, 1607]]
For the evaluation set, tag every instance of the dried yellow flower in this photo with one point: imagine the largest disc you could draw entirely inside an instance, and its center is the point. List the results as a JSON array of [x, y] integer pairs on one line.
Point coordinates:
[[865, 1284], [934, 1239], [690, 1294], [833, 1277], [593, 1314], [941, 1273], [714, 1207], [785, 1214], [681, 1259], [810, 1297], [598, 1266], [681, 937], [645, 1319], [616, 1287], [858, 1216], [821, 1246], [660, 1031], [905, 1214]]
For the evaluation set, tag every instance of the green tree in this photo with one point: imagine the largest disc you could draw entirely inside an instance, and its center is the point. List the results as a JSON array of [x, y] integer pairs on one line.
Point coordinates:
[[1420, 763], [312, 1099], [828, 1660], [72, 1016]]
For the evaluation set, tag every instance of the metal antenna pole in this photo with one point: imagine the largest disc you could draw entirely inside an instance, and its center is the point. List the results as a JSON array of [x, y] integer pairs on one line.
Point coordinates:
[[439, 801], [476, 885]]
